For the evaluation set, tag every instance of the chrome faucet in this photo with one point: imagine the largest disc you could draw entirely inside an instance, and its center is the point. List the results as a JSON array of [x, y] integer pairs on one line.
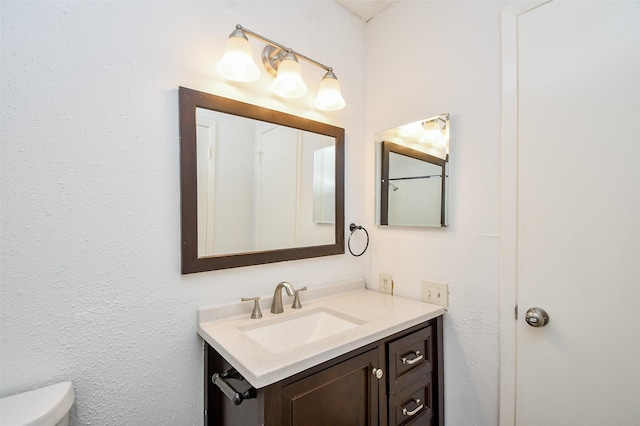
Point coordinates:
[[276, 303]]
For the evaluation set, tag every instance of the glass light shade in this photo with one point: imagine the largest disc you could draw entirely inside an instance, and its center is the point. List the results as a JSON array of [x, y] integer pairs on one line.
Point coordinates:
[[288, 82], [329, 97], [432, 130], [237, 64], [411, 130], [441, 142]]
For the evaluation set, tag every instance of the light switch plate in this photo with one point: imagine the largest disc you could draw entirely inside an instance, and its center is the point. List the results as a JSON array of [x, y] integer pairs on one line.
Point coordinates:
[[436, 293], [385, 283]]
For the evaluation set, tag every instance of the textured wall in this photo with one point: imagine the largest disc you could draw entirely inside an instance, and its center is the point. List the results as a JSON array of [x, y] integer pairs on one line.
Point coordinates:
[[423, 59], [91, 284]]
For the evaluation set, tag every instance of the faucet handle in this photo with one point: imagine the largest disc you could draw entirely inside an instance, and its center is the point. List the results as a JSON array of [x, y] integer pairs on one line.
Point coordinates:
[[256, 306], [296, 300]]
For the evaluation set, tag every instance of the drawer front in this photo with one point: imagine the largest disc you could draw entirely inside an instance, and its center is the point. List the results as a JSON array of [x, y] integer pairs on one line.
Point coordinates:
[[413, 405], [410, 359]]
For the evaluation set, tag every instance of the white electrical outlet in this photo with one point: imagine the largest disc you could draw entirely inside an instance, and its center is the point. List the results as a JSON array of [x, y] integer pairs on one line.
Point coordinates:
[[385, 285], [436, 293]]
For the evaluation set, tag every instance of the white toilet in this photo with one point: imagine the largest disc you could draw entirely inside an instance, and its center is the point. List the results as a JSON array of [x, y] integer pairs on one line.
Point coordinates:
[[48, 406]]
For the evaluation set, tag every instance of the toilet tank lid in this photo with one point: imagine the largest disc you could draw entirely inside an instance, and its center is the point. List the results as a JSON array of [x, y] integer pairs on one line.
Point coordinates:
[[40, 407]]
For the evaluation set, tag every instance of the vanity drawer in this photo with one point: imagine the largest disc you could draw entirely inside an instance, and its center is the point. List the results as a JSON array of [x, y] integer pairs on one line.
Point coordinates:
[[413, 405], [410, 359]]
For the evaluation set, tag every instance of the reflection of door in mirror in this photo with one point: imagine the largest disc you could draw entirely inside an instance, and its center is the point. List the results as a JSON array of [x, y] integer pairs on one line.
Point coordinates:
[[206, 145], [227, 185], [310, 230], [276, 188], [324, 185], [284, 204]]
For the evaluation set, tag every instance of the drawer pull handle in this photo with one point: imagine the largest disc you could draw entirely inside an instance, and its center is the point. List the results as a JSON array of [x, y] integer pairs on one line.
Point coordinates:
[[415, 410], [418, 357]]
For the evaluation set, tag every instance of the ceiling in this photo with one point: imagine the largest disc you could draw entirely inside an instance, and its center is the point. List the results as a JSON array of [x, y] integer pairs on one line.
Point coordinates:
[[365, 9]]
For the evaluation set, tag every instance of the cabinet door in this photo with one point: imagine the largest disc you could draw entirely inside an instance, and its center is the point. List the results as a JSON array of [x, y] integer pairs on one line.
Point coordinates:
[[345, 394]]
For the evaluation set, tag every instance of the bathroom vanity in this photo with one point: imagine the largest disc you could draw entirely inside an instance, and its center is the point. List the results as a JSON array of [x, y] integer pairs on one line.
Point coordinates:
[[385, 369]]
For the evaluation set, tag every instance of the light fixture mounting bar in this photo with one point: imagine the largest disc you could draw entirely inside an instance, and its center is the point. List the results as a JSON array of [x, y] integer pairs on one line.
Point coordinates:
[[286, 49]]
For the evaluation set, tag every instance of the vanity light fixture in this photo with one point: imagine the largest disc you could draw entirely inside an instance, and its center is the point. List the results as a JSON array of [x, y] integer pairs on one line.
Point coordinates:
[[433, 133], [237, 64], [329, 97], [289, 82], [432, 129], [411, 130], [280, 62]]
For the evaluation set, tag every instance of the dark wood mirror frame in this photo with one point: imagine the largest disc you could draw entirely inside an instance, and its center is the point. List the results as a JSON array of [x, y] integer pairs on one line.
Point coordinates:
[[389, 147], [189, 101]]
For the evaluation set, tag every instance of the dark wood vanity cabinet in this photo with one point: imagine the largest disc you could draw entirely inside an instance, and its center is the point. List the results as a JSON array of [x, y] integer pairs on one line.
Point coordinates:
[[345, 390], [411, 368]]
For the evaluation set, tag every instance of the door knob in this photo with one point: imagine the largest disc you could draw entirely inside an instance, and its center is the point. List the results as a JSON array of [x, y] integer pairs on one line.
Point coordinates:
[[536, 317]]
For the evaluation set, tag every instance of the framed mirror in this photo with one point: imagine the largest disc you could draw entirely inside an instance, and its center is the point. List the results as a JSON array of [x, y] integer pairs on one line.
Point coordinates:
[[412, 176], [257, 185]]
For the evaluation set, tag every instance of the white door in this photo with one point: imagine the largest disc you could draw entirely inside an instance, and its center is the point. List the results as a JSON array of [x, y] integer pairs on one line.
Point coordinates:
[[278, 189], [576, 215], [206, 134]]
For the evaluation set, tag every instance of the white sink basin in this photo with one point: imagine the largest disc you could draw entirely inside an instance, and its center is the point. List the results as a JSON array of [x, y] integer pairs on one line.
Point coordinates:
[[292, 331]]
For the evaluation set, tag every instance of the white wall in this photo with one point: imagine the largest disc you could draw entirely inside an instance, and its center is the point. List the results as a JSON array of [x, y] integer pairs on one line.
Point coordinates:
[[91, 287], [423, 59]]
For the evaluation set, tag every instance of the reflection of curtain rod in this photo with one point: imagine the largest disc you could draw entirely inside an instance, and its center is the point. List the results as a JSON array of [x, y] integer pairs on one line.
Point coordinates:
[[418, 177]]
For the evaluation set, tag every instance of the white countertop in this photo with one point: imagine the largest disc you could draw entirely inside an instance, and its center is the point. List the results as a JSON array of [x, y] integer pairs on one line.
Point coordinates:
[[382, 315]]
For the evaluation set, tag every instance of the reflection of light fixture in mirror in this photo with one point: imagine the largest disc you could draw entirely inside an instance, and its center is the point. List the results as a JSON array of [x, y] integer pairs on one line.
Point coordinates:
[[433, 133], [395, 188], [288, 82], [277, 59], [237, 64], [432, 129], [411, 130]]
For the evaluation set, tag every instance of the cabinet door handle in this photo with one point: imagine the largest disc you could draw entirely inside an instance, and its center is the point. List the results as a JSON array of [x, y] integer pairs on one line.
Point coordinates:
[[415, 410], [418, 357], [378, 373]]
